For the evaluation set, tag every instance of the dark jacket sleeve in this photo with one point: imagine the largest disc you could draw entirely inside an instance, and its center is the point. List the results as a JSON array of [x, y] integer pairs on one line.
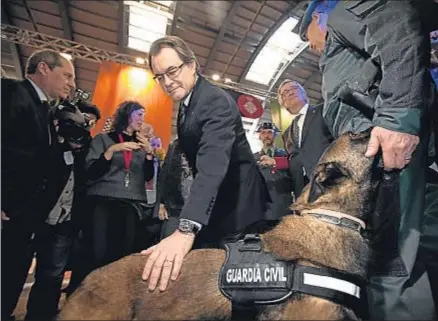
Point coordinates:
[[162, 177], [95, 163], [18, 148], [217, 117], [149, 170], [396, 41]]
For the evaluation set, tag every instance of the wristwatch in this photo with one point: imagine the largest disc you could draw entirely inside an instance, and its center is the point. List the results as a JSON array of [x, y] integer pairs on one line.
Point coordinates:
[[187, 226]]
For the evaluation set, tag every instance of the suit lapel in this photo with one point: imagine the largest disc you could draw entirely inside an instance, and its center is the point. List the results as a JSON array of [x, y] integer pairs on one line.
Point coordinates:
[[192, 103], [310, 115], [287, 139], [41, 112]]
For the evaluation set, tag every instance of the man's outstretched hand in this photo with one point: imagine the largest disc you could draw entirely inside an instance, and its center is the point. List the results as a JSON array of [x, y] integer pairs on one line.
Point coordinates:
[[165, 259]]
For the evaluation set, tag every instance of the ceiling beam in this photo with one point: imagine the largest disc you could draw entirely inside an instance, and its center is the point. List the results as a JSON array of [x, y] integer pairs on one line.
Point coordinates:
[[232, 38], [176, 14], [121, 12], [65, 19], [15, 49], [31, 17], [293, 6], [220, 36], [309, 80], [230, 61], [63, 7]]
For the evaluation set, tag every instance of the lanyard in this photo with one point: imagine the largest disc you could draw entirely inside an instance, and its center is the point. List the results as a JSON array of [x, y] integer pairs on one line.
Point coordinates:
[[127, 155]]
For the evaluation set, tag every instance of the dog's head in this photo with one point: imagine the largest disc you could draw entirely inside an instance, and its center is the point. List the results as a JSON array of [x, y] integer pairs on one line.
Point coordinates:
[[344, 179]]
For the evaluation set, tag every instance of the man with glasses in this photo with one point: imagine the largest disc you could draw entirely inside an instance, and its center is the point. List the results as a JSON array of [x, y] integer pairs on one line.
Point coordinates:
[[228, 193], [28, 137], [304, 146]]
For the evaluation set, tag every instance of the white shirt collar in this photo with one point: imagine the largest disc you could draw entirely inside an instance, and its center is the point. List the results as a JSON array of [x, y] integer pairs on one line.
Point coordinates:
[[303, 110], [186, 101], [40, 92]]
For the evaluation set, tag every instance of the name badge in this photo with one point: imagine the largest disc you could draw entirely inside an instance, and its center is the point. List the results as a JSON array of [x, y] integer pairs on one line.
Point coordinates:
[[68, 158]]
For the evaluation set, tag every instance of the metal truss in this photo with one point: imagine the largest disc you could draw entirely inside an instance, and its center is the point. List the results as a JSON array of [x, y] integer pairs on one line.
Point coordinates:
[[41, 41], [80, 51]]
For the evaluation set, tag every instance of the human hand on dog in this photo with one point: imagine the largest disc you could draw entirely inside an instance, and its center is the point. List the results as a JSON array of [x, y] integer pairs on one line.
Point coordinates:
[[266, 161], [397, 148], [166, 258]]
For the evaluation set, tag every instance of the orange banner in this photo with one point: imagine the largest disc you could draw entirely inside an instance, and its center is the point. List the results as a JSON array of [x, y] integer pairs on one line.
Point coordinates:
[[117, 83]]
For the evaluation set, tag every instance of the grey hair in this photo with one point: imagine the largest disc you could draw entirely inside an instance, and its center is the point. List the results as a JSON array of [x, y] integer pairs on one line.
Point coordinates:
[[302, 91], [176, 43], [50, 57]]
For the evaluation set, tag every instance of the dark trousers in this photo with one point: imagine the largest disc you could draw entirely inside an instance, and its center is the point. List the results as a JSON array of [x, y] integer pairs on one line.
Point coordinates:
[[52, 246], [113, 230], [16, 256]]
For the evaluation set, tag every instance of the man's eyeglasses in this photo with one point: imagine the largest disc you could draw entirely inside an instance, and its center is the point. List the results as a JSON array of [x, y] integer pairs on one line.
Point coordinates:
[[287, 92], [172, 73]]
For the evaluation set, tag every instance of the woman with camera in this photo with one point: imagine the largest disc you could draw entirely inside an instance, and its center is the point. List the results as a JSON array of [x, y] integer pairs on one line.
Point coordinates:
[[119, 164]]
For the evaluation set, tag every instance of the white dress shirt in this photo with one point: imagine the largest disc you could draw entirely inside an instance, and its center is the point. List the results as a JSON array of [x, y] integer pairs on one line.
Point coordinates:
[[302, 112], [39, 91]]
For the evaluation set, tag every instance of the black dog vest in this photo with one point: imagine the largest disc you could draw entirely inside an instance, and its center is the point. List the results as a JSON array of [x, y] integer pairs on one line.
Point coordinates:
[[251, 278]]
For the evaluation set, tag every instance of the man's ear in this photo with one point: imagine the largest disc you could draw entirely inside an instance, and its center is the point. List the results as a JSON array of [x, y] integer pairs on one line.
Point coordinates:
[[43, 68], [325, 176]]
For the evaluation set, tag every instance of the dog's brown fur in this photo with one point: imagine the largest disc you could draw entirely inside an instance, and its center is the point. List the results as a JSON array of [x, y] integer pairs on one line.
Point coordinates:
[[342, 181]]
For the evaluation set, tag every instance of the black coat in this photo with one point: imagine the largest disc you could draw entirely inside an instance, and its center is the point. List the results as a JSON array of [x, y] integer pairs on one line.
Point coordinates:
[[228, 192], [313, 143], [25, 148], [280, 186]]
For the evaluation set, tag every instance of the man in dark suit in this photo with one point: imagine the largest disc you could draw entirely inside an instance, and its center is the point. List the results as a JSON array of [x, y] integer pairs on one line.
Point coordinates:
[[28, 135], [306, 138], [274, 166], [228, 192]]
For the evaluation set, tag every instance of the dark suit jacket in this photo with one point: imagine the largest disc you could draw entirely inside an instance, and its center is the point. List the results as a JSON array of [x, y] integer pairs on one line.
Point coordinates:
[[279, 185], [315, 139], [25, 148], [228, 192]]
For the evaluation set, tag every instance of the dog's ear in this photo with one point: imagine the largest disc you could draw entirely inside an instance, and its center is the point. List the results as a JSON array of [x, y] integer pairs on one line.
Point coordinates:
[[325, 176]]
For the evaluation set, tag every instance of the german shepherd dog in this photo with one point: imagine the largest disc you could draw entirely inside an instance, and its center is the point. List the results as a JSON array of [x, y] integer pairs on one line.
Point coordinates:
[[343, 182]]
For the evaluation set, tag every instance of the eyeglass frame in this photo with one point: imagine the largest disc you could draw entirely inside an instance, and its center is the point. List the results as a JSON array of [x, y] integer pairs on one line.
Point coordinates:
[[176, 69], [288, 91]]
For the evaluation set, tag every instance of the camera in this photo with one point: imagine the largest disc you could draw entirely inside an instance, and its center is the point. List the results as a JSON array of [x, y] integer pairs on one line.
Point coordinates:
[[75, 118]]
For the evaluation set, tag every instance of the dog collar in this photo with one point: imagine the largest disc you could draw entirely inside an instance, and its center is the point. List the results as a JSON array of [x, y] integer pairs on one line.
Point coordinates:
[[337, 218]]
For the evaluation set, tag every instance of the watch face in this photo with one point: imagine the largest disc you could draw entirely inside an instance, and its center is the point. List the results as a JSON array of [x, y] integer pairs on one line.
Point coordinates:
[[186, 226]]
